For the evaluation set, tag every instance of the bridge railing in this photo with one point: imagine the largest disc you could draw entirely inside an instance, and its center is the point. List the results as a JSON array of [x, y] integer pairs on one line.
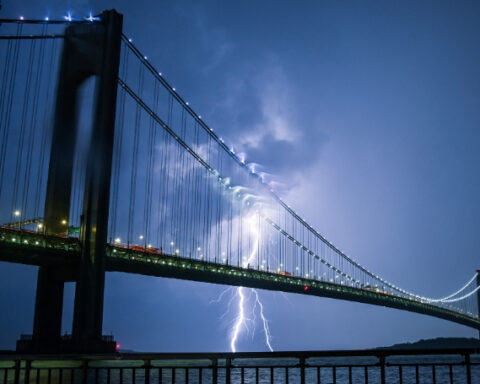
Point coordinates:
[[363, 366]]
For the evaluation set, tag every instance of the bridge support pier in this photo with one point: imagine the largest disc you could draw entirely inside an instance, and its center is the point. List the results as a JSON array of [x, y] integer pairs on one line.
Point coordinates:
[[47, 321], [90, 49]]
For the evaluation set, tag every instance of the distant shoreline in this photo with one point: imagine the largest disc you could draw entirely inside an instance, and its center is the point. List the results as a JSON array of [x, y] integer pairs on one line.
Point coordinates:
[[438, 343]]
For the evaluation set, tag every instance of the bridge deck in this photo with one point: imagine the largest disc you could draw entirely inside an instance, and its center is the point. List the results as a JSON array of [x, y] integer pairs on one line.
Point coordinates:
[[37, 249]]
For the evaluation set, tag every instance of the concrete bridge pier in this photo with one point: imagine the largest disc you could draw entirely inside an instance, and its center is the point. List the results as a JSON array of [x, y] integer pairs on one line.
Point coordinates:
[[48, 310]]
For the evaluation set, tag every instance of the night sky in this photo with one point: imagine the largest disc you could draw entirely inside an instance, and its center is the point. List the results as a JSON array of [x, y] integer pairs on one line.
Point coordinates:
[[366, 113]]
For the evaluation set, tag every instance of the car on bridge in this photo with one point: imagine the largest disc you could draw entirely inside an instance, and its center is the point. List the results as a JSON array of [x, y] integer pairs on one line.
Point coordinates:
[[284, 273], [141, 248]]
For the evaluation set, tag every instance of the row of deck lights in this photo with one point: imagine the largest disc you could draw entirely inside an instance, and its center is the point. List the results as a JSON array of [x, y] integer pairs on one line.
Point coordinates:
[[117, 240]]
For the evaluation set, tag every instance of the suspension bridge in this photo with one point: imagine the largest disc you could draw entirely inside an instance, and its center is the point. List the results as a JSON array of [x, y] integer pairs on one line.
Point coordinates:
[[105, 167]]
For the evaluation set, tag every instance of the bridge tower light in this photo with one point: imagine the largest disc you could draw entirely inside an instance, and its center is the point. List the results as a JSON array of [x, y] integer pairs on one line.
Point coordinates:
[[16, 213]]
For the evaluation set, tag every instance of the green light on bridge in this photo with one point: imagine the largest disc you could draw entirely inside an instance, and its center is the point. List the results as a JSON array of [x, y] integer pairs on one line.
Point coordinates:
[[73, 229]]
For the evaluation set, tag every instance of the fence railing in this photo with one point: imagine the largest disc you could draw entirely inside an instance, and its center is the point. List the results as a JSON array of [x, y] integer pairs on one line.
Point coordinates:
[[361, 366]]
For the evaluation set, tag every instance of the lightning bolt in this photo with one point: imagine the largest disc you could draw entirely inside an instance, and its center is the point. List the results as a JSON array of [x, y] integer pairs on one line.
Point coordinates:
[[266, 330], [241, 320], [245, 296]]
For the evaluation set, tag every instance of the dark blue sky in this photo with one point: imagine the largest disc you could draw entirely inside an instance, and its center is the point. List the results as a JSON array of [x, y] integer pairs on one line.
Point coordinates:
[[367, 115]]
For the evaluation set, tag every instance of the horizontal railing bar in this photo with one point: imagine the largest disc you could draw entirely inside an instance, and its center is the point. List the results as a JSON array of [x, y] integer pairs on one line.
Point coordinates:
[[252, 367], [11, 355]]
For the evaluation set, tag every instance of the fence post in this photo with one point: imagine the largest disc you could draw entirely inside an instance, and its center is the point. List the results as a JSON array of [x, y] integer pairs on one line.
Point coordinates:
[[228, 364], [302, 370], [16, 379], [214, 371], [382, 369], [85, 372], [469, 368], [147, 366], [28, 365]]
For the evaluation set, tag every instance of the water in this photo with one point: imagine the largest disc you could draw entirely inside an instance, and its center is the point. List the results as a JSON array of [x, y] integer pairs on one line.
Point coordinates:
[[178, 374]]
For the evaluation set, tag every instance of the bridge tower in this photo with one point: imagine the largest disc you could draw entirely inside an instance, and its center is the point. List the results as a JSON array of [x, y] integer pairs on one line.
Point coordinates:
[[90, 49]]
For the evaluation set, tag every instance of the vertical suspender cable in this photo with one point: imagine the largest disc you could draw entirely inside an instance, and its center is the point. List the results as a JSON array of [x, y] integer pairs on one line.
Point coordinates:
[[134, 170], [148, 190], [33, 123], [46, 130], [118, 146], [21, 138], [7, 114]]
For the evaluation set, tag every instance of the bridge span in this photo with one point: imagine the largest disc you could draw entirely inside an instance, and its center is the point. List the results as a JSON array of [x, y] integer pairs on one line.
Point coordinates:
[[37, 249], [145, 186]]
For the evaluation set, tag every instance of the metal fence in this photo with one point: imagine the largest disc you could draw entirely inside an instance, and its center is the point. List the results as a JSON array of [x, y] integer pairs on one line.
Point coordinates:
[[363, 366]]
